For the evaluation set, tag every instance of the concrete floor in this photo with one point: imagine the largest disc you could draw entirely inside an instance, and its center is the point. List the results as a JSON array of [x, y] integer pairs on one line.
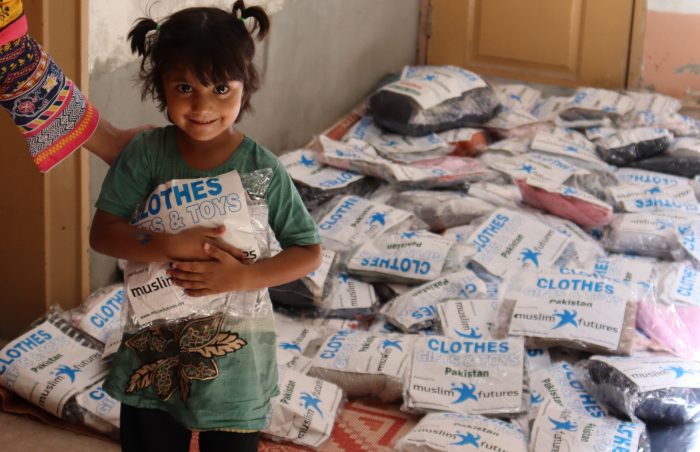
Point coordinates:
[[24, 434]]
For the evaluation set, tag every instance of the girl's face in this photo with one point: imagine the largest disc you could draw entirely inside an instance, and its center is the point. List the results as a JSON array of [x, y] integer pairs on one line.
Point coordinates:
[[203, 112]]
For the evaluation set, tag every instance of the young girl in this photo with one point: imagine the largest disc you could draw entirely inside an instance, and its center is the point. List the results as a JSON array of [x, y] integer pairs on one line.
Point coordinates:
[[198, 65]]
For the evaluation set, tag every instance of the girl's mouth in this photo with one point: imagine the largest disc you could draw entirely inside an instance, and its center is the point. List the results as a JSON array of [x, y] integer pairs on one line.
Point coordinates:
[[201, 122]]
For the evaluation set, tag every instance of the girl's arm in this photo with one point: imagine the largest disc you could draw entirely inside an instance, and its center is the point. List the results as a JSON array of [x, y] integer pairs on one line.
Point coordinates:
[[108, 141], [116, 237], [224, 273]]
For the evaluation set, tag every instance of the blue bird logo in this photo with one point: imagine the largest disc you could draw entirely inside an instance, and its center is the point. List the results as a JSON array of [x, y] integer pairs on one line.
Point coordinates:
[[467, 440], [473, 333], [567, 426], [566, 317], [535, 398], [67, 371], [430, 77], [408, 235], [343, 277], [465, 392], [516, 97], [527, 168], [378, 217], [653, 191], [530, 255], [570, 148], [309, 401], [389, 343], [678, 371], [390, 143], [569, 191], [290, 346], [307, 162]]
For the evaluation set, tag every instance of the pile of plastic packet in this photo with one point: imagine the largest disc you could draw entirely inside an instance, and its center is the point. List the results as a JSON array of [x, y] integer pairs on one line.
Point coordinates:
[[520, 272]]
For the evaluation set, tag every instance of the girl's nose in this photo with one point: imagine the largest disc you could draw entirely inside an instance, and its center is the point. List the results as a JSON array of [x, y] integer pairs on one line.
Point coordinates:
[[199, 103]]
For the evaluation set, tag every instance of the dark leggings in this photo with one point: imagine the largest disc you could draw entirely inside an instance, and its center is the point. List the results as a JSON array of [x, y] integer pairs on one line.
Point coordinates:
[[145, 430]]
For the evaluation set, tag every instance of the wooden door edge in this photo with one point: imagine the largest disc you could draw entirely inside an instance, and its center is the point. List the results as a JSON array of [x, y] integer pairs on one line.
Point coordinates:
[[636, 46], [423, 31]]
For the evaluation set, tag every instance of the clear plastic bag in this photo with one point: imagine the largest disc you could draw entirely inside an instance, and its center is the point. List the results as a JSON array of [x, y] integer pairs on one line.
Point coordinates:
[[101, 412], [646, 234], [463, 100], [631, 145], [581, 312], [653, 388], [236, 201], [592, 103], [307, 291], [671, 164], [100, 314], [467, 376], [441, 209], [674, 327], [364, 364], [444, 432], [51, 363], [305, 411]]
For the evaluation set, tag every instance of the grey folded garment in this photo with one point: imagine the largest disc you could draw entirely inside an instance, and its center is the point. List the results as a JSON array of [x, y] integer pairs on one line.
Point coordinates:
[[401, 114], [313, 197], [628, 146], [668, 405]]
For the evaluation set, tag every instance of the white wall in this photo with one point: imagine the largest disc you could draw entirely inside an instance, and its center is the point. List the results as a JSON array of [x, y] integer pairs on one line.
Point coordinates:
[[321, 59]]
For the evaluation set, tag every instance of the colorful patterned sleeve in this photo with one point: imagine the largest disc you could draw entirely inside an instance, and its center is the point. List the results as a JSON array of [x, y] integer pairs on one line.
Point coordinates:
[[53, 116]]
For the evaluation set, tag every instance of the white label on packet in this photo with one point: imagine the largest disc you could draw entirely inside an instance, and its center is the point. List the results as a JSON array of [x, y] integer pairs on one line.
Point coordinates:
[[104, 316], [317, 278], [445, 432], [411, 255], [390, 143], [518, 96], [682, 285], [349, 293], [463, 376], [567, 144], [601, 100], [600, 132], [587, 249], [650, 372], [96, 401], [632, 136], [513, 146], [509, 241], [641, 177], [417, 307], [432, 85], [559, 383], [557, 429], [303, 166], [634, 270], [305, 410], [354, 219], [555, 306], [113, 342], [47, 367], [689, 236], [468, 319], [656, 104], [661, 225], [548, 109], [537, 358], [685, 147], [523, 168], [173, 207], [365, 353], [635, 198], [536, 180], [511, 119]]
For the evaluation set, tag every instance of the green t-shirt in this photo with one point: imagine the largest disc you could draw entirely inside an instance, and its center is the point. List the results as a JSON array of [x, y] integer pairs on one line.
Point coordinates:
[[229, 386]]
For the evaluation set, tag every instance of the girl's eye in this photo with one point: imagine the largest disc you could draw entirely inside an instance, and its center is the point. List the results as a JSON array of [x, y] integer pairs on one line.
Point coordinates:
[[222, 89], [184, 88]]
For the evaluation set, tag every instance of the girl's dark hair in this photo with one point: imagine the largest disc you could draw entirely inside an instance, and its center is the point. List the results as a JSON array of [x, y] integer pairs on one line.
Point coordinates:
[[214, 44]]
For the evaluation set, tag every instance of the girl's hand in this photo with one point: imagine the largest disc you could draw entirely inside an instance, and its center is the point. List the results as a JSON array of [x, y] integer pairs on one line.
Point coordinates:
[[189, 244], [223, 273]]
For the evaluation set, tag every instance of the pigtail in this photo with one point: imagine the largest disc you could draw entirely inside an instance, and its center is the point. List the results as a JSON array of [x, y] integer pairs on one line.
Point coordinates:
[[262, 20], [138, 38]]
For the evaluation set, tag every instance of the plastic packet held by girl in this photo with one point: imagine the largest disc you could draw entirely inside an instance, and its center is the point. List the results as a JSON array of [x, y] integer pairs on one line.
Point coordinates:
[[184, 203], [363, 364], [466, 376], [100, 314], [305, 410], [415, 309], [557, 428], [580, 312], [468, 319], [50, 364], [446, 432], [653, 388], [102, 411], [351, 220], [409, 257], [508, 241]]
